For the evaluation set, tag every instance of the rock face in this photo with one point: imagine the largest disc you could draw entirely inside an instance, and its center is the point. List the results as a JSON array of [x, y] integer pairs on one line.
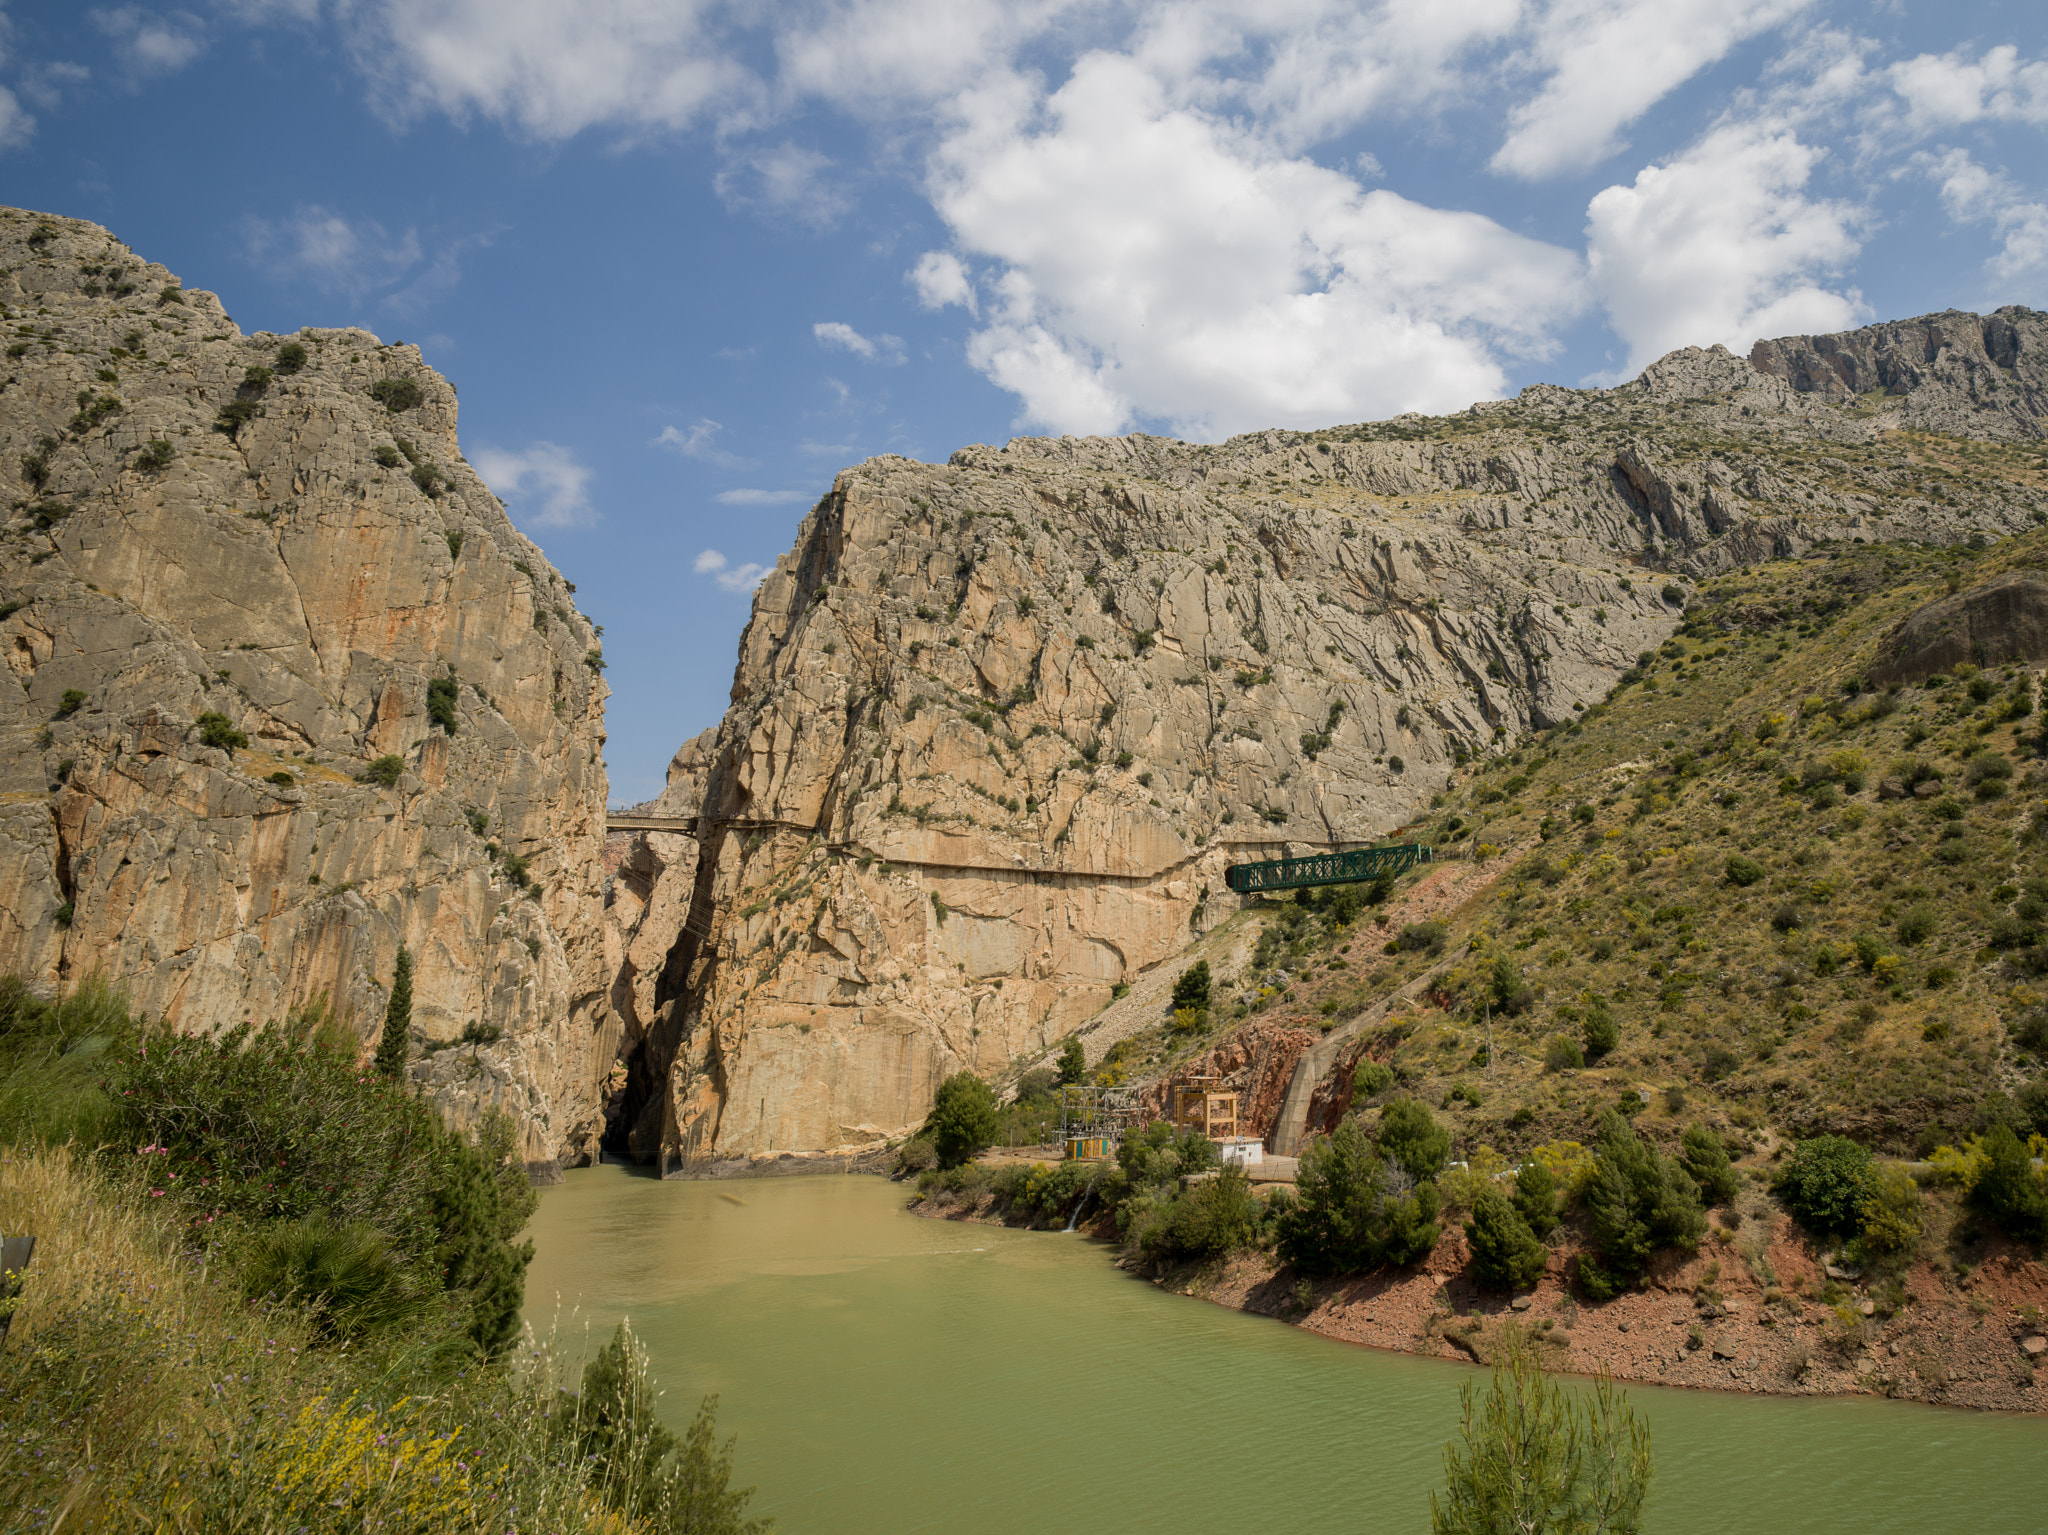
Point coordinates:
[[1975, 375], [998, 725], [2003, 620], [238, 570]]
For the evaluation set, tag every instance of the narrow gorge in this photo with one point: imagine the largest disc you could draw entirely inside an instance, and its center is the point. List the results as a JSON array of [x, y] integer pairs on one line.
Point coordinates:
[[294, 692], [999, 725]]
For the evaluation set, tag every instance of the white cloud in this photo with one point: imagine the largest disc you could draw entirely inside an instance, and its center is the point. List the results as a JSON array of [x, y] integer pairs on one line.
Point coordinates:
[[1973, 194], [941, 279], [550, 473], [734, 578], [786, 180], [1135, 216], [761, 497], [877, 348], [359, 258], [45, 84], [699, 440], [1160, 263], [552, 70], [149, 44], [16, 126], [1610, 61], [1946, 90], [319, 246], [1723, 244]]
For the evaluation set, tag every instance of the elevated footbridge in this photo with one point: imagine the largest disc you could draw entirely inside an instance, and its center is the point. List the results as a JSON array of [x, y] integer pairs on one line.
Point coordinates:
[[1343, 868]]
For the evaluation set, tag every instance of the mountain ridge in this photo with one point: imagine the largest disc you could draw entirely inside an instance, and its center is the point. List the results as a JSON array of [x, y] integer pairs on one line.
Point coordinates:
[[998, 725]]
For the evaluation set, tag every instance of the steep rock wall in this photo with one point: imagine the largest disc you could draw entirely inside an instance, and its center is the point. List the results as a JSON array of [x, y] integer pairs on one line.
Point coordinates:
[[998, 725], [307, 562]]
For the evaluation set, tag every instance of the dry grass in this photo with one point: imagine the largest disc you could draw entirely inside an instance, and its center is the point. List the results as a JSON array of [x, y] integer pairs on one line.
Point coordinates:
[[144, 1393]]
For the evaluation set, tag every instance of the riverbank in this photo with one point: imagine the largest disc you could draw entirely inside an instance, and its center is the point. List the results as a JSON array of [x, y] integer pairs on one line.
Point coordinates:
[[1707, 1322]]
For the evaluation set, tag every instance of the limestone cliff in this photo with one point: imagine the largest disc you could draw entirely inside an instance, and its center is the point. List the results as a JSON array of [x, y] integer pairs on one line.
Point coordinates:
[[237, 571], [998, 725]]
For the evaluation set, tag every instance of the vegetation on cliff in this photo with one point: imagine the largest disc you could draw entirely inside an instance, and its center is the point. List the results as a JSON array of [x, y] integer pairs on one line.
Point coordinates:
[[1764, 936], [280, 1293]]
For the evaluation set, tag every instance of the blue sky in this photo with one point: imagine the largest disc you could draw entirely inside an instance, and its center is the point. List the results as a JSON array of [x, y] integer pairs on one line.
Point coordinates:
[[684, 259]]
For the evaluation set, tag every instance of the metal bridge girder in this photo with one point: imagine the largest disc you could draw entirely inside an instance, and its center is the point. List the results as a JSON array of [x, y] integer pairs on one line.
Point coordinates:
[[1326, 868]]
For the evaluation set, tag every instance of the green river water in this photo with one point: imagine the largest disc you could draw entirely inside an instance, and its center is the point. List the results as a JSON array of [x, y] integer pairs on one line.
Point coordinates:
[[887, 1373]]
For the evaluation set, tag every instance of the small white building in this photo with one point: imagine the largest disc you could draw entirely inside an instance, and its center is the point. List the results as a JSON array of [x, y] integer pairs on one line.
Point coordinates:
[[1241, 1151]]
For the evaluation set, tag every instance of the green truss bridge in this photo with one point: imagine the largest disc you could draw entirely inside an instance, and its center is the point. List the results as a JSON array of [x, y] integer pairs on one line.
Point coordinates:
[[1326, 868]]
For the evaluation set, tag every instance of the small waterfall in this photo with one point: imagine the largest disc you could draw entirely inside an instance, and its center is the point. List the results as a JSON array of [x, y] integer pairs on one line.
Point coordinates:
[[1074, 1217]]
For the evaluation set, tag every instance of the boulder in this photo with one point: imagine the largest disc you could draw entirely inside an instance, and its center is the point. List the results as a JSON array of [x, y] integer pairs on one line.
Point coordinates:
[[2005, 619]]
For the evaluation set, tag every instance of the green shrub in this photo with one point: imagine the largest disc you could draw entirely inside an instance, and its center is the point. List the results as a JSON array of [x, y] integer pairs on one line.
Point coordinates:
[[291, 357], [385, 771], [73, 700], [1423, 937], [255, 380], [235, 415], [344, 1276], [442, 695], [1823, 1184], [1536, 1197], [1370, 1079], [53, 1055], [1412, 1140], [1890, 1214], [1706, 1163], [396, 394], [1511, 994], [1537, 1458], [386, 456], [218, 731], [1505, 1252], [281, 778], [1073, 1062], [962, 1122], [262, 1127], [1916, 923], [1638, 1201], [1600, 1031], [2009, 1190], [156, 454], [1192, 988], [1742, 871], [1350, 1212], [1563, 1054], [1210, 1219], [635, 1465]]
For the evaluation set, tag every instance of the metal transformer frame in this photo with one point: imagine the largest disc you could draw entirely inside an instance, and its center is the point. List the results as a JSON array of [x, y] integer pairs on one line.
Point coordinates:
[[1088, 1112]]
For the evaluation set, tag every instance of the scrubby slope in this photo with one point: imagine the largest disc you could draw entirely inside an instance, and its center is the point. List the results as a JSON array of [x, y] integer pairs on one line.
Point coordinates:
[[1806, 903]]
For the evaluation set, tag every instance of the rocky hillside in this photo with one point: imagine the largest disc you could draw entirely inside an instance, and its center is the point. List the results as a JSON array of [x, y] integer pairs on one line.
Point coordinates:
[[293, 690], [998, 725], [1791, 878]]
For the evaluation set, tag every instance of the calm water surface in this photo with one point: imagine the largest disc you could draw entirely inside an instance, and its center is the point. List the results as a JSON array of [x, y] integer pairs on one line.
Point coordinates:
[[887, 1373]]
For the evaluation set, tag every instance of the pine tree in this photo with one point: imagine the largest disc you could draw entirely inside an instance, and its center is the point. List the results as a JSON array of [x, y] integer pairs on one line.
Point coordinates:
[[391, 1046], [1505, 1253], [1539, 1460], [1073, 1062]]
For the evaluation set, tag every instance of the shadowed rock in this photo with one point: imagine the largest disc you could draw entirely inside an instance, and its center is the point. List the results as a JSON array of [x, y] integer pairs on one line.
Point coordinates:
[[2002, 620]]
